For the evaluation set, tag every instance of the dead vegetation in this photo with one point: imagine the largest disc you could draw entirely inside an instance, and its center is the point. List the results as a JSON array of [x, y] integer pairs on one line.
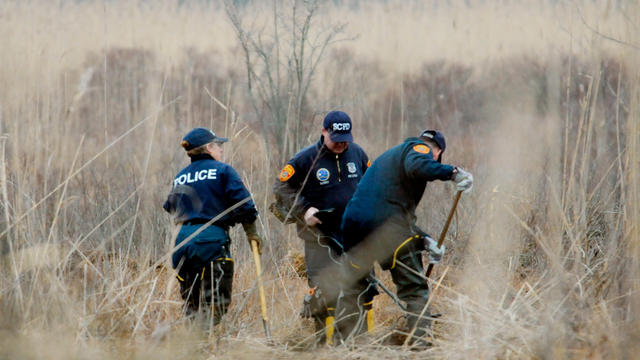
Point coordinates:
[[536, 100]]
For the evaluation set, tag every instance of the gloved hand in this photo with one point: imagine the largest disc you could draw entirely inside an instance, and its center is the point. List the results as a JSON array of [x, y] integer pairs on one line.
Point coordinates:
[[252, 235], [313, 304], [309, 218], [306, 312], [463, 180], [435, 253], [258, 241]]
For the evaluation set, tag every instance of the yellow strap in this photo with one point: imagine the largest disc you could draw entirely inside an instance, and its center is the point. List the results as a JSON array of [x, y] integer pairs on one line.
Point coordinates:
[[370, 322], [368, 303], [202, 275], [328, 329], [395, 253], [203, 269]]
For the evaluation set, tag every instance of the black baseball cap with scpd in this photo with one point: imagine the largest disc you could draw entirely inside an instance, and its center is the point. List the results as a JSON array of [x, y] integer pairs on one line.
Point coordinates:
[[200, 136], [338, 124], [437, 137]]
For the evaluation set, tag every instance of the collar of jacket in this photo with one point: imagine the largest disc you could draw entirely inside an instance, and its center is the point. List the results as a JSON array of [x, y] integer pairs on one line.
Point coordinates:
[[201, 157], [414, 139]]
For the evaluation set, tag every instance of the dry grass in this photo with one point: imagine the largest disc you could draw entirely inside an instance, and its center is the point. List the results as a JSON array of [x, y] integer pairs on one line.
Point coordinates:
[[540, 101]]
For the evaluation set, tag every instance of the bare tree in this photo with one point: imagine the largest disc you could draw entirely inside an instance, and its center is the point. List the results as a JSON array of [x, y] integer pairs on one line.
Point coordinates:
[[281, 53]]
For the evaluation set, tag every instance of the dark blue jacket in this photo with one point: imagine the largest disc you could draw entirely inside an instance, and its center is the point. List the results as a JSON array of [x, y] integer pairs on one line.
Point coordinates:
[[204, 189], [391, 188], [331, 179]]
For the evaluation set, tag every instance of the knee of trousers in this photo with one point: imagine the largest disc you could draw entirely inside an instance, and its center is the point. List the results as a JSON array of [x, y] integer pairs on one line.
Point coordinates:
[[213, 282], [190, 281], [321, 308], [222, 287]]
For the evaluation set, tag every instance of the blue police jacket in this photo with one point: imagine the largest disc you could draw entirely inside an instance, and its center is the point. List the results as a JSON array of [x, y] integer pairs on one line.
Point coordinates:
[[331, 179], [391, 188], [204, 189]]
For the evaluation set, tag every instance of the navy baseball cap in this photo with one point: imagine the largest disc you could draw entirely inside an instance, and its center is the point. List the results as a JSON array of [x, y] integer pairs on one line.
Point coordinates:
[[200, 136], [338, 124], [437, 137]]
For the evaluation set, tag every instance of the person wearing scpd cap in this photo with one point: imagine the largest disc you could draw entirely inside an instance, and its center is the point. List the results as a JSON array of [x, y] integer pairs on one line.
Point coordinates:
[[312, 190], [379, 224], [201, 192]]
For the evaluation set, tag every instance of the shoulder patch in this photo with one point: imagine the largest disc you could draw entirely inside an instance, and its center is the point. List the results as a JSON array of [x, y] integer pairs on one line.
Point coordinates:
[[369, 163], [422, 149], [287, 173]]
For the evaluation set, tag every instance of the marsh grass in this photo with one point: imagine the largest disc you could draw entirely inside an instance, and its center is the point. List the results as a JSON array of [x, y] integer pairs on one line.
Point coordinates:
[[541, 102]]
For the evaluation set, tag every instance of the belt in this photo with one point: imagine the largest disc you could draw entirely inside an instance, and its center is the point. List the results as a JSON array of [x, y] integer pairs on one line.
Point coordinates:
[[204, 221], [196, 222]]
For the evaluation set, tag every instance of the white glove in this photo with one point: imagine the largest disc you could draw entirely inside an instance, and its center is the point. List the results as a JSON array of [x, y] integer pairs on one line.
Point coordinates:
[[309, 217], [435, 253], [463, 180]]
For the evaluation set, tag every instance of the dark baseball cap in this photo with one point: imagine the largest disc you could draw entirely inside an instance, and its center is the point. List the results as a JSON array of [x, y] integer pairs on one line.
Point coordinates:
[[200, 136], [437, 137], [338, 124]]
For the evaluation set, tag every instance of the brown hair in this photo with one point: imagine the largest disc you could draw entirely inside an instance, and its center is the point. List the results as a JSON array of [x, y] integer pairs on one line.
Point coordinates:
[[202, 149]]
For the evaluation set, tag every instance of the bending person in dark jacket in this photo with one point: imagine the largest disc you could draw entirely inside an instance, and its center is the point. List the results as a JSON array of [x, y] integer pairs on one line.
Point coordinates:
[[203, 191], [314, 188], [379, 223]]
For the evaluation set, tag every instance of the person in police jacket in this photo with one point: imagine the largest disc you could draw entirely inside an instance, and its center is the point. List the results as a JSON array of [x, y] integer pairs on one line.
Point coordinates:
[[314, 188], [379, 224], [201, 192]]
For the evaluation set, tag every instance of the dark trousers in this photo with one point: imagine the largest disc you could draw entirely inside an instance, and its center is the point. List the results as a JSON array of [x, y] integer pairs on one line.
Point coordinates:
[[391, 244], [322, 257], [207, 287], [321, 252], [205, 269]]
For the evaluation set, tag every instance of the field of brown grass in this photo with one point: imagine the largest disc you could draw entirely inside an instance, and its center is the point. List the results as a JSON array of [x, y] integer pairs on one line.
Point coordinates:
[[539, 100]]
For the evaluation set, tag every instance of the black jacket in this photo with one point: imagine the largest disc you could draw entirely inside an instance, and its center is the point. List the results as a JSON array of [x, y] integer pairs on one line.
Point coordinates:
[[204, 189], [391, 189], [316, 177]]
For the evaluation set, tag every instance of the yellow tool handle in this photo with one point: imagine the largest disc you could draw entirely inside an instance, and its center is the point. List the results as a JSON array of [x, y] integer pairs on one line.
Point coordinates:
[[263, 301]]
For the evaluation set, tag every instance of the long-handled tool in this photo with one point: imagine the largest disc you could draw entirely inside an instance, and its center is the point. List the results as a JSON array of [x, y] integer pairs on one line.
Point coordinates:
[[263, 301], [386, 290], [430, 268], [446, 227]]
